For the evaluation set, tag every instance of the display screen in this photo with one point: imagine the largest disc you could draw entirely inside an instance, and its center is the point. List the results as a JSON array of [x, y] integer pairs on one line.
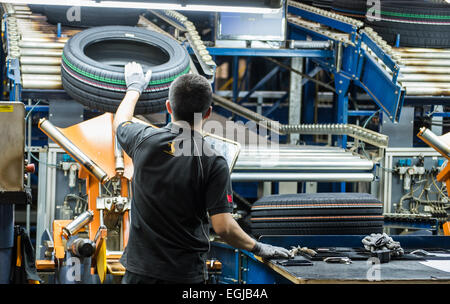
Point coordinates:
[[236, 26]]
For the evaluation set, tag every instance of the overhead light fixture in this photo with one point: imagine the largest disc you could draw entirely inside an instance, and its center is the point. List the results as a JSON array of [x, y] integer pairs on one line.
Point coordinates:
[[249, 6]]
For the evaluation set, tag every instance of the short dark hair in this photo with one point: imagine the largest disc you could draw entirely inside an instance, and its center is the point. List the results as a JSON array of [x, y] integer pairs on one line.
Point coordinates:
[[190, 94]]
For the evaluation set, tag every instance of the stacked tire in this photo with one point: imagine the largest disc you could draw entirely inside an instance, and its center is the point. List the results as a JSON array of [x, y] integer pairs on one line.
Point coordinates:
[[323, 4], [317, 214], [92, 66], [351, 8], [413, 23]]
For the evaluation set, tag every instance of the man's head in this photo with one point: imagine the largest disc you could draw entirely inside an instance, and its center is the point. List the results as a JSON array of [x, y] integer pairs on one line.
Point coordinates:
[[189, 94]]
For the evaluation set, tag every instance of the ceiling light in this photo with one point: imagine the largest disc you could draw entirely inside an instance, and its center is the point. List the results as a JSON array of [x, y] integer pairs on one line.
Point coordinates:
[[256, 7]]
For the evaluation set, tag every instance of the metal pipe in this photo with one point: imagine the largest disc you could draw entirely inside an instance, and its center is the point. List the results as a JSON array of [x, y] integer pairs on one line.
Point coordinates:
[[41, 77], [425, 62], [315, 165], [40, 60], [52, 132], [423, 70], [405, 78], [74, 226], [420, 50], [36, 45], [428, 55], [118, 156], [41, 52], [304, 44], [41, 84], [297, 156], [419, 91], [313, 177], [424, 84], [45, 39], [40, 69]]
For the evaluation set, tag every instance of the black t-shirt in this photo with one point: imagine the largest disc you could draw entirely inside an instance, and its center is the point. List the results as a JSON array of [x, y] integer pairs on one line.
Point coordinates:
[[172, 197]]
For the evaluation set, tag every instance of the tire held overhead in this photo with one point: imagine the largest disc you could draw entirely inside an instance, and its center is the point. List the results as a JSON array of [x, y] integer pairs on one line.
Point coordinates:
[[93, 61]]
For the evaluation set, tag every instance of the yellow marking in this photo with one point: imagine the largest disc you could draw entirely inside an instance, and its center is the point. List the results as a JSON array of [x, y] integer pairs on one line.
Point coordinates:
[[5, 109], [172, 149]]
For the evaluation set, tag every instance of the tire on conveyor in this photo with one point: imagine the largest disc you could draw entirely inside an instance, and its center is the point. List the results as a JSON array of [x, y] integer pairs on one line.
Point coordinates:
[[317, 214], [92, 66], [419, 23]]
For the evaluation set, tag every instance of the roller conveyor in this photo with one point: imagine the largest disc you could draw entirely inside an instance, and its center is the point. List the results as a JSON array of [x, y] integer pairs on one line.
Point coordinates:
[[422, 71], [37, 45], [305, 163]]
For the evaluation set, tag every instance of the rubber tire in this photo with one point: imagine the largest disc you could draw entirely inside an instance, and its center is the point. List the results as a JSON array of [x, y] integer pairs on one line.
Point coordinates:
[[321, 213], [323, 4], [101, 86], [407, 19], [351, 8]]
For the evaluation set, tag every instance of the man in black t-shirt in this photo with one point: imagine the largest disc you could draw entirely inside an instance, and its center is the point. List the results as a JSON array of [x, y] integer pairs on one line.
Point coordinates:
[[178, 183]]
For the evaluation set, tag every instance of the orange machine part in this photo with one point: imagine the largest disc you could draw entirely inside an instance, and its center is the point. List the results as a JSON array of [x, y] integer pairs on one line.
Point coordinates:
[[58, 245], [444, 138], [446, 228], [95, 137], [45, 265]]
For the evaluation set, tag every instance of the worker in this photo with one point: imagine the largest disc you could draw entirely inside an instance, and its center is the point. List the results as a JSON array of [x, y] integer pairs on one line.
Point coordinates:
[[174, 193]]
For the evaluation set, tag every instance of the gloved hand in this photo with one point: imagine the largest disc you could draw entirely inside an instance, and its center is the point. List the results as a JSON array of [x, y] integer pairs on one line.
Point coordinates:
[[134, 77], [268, 251]]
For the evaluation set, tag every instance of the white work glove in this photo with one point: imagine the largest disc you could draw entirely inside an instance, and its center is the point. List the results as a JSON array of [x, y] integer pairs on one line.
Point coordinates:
[[268, 251], [135, 79]]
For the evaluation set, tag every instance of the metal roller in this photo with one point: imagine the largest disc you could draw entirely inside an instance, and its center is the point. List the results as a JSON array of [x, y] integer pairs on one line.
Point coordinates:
[[51, 131], [34, 35], [423, 70], [425, 62], [424, 78], [433, 140], [40, 52], [42, 84], [45, 39], [40, 60], [313, 177], [420, 50], [78, 223], [40, 69], [428, 55], [41, 77], [310, 165], [419, 91], [35, 45], [426, 84]]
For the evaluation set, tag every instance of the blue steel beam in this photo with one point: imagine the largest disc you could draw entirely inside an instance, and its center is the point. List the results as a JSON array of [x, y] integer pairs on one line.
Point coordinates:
[[311, 53]]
